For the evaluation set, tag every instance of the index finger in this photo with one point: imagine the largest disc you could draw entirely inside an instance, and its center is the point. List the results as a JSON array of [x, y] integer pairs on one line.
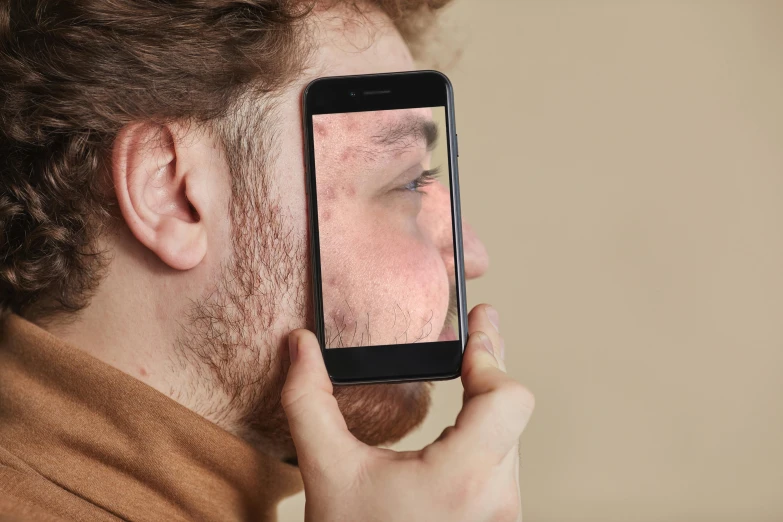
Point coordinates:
[[497, 407]]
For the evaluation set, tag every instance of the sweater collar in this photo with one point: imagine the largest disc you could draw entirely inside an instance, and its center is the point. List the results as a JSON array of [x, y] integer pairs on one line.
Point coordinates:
[[122, 445]]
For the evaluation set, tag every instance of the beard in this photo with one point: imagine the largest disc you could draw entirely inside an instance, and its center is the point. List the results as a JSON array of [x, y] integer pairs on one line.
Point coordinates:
[[234, 340]]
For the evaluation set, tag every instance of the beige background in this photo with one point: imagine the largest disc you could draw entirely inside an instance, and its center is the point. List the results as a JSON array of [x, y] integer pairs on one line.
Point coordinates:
[[623, 162]]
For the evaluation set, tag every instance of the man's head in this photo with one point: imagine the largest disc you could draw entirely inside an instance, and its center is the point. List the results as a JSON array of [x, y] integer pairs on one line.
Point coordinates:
[[152, 205]]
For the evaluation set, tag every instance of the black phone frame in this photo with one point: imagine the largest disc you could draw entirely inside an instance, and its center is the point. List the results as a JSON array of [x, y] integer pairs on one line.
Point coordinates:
[[440, 360]]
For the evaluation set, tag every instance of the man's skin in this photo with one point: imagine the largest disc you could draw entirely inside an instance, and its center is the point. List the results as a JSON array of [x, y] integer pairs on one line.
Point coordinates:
[[370, 167], [202, 293]]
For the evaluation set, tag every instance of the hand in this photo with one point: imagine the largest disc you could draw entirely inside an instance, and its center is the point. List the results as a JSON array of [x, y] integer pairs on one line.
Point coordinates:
[[470, 473]]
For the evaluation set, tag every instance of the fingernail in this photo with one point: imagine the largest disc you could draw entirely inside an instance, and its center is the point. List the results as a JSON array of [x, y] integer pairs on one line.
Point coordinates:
[[486, 342], [503, 349], [293, 347], [494, 317]]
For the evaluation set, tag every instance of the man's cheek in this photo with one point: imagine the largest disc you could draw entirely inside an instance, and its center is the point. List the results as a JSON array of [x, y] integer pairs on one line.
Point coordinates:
[[399, 296], [420, 283]]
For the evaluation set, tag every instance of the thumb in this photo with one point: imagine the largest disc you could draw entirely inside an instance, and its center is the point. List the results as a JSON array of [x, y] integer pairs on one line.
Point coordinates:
[[317, 426]]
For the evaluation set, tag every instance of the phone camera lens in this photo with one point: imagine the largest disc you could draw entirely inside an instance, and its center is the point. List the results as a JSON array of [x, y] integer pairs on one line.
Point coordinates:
[[353, 94]]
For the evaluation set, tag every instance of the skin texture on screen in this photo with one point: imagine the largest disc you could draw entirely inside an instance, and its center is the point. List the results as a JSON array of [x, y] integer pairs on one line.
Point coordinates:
[[386, 278]]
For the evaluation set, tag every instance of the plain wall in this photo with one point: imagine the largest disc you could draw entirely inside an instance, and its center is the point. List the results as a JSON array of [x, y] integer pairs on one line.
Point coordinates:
[[623, 162]]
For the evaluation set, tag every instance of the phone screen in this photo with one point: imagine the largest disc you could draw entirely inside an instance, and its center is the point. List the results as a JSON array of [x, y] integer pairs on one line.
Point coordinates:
[[385, 227]]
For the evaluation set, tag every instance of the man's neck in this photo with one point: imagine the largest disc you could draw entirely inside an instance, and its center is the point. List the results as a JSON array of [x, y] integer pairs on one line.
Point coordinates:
[[132, 323], [78, 436]]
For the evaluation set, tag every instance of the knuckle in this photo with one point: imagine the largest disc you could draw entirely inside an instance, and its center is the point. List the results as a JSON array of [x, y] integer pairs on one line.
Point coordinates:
[[509, 507], [472, 492], [459, 485], [472, 488], [295, 401], [445, 433], [468, 488], [517, 394], [344, 469], [478, 309], [291, 396]]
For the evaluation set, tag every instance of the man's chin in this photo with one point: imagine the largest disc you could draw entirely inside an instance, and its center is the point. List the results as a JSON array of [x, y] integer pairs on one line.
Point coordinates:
[[383, 413], [376, 414]]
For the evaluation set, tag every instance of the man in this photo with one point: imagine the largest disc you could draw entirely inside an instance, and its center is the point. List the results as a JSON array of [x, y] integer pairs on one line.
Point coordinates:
[[153, 264]]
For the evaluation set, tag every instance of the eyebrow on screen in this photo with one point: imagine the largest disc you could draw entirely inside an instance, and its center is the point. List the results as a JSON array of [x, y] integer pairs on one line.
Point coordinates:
[[406, 133]]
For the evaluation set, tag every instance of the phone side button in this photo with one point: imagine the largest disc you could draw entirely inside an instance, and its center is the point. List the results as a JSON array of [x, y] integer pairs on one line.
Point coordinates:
[[456, 144]]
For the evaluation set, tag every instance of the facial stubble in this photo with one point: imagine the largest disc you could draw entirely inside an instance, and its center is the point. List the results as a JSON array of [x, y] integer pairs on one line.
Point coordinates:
[[234, 341]]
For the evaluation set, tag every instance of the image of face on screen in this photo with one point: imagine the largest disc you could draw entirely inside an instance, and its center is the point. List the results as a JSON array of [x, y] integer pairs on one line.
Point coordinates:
[[384, 220]]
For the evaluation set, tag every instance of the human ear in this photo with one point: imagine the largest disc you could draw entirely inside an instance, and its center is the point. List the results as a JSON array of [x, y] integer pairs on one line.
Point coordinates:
[[158, 192]]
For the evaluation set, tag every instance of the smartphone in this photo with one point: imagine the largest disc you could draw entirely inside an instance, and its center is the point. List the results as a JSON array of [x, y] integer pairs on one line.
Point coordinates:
[[385, 226]]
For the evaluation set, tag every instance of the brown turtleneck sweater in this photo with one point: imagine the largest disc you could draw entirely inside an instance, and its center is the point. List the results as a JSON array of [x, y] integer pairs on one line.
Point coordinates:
[[81, 440]]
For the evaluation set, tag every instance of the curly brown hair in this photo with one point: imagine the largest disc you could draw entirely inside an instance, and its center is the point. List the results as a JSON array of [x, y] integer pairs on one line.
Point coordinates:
[[74, 72]]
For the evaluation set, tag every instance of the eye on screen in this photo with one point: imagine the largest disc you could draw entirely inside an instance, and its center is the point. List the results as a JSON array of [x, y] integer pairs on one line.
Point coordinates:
[[385, 227]]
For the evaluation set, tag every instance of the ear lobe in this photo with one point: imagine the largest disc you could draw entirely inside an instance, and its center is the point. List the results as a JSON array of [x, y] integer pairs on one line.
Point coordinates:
[[151, 186]]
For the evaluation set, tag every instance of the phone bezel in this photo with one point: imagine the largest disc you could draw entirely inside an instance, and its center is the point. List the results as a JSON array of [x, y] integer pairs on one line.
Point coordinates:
[[439, 360]]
